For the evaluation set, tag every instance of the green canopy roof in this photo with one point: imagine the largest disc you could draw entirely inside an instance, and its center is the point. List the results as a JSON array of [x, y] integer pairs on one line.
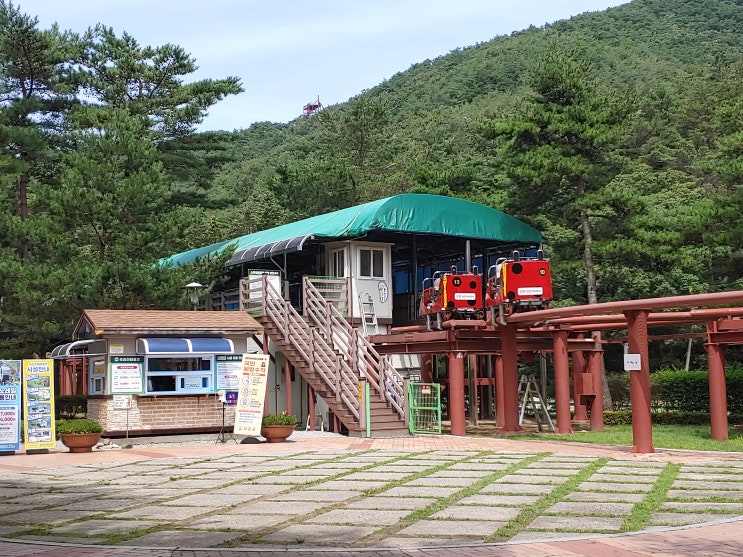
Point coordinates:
[[404, 214]]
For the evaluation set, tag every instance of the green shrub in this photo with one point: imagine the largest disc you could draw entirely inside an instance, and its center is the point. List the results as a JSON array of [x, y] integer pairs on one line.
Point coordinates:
[[77, 425], [279, 419], [617, 417]]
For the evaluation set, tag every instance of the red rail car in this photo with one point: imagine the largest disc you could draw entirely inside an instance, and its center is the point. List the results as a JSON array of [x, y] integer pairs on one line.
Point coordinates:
[[452, 295], [518, 284], [512, 285]]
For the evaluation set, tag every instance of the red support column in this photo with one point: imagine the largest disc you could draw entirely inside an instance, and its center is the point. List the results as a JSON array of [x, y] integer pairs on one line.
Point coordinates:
[[288, 386], [718, 403], [597, 401], [562, 380], [499, 399], [510, 379], [642, 425], [455, 370], [311, 406], [579, 366]]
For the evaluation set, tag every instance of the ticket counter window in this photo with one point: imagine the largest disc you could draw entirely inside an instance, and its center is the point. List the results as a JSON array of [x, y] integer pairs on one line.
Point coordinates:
[[179, 375]]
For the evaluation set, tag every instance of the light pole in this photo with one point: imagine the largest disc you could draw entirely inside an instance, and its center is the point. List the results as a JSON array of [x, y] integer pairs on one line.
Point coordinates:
[[193, 293]]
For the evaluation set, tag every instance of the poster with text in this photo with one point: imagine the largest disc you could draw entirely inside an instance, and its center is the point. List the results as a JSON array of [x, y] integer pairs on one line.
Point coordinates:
[[229, 368], [251, 394], [38, 402], [10, 405], [126, 374]]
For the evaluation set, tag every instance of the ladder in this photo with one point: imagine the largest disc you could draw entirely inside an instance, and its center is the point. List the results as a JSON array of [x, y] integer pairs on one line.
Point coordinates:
[[529, 397], [369, 322]]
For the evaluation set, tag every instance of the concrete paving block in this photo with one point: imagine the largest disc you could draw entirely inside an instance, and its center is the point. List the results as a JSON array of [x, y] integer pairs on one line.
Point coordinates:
[[458, 528], [52, 516], [318, 495], [316, 534], [486, 466], [197, 483], [710, 477], [682, 519], [472, 474], [439, 482], [637, 464], [423, 542], [622, 478], [421, 491], [382, 503], [157, 512], [133, 482], [7, 529], [556, 465], [541, 535], [207, 500], [465, 512], [500, 500], [43, 500], [182, 538], [702, 494], [353, 485], [590, 509], [249, 489], [397, 469], [517, 488], [735, 508], [576, 523], [243, 522], [360, 516], [697, 484], [385, 477], [101, 505], [144, 494], [634, 472], [104, 527], [538, 471], [533, 480], [286, 508], [605, 497], [615, 487], [287, 479]]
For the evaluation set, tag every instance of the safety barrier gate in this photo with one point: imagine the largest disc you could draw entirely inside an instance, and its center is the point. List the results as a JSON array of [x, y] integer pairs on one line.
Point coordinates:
[[424, 402]]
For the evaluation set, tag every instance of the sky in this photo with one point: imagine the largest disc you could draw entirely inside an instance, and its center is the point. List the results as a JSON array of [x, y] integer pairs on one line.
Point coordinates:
[[289, 53]]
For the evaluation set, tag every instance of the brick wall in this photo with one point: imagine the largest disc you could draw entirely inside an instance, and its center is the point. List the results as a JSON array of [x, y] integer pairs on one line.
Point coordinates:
[[162, 414]]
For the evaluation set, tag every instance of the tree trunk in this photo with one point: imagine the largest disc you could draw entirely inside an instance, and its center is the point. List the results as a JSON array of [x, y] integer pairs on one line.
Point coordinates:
[[585, 224]]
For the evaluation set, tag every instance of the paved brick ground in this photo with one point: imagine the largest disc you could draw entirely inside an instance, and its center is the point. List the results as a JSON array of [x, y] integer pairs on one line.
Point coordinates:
[[418, 496]]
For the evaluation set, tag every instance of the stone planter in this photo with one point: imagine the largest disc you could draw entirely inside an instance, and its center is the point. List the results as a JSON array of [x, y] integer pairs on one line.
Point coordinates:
[[80, 442], [276, 433]]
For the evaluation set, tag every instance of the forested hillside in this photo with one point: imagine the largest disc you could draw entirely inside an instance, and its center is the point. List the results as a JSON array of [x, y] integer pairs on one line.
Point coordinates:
[[619, 134]]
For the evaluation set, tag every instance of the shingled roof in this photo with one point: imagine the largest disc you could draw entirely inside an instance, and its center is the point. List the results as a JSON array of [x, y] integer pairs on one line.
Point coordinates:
[[108, 322]]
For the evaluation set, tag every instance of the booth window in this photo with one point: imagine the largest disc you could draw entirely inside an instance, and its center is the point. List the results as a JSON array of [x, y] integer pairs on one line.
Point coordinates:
[[179, 374], [371, 263]]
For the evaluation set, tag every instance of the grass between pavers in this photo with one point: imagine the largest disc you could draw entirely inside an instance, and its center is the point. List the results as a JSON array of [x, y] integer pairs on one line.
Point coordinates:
[[444, 502], [530, 512], [681, 437], [641, 513]]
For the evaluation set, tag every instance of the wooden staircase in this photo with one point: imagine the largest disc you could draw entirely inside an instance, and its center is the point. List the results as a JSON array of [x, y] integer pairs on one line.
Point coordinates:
[[333, 358]]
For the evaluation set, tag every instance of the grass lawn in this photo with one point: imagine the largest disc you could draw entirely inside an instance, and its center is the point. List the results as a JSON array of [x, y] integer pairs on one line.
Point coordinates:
[[692, 437]]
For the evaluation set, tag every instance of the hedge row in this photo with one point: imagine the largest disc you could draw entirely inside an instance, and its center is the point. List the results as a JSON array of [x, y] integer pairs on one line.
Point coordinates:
[[70, 406], [686, 392], [624, 417]]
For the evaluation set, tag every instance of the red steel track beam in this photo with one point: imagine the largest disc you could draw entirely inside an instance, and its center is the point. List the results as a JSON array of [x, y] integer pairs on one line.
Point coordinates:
[[713, 299]]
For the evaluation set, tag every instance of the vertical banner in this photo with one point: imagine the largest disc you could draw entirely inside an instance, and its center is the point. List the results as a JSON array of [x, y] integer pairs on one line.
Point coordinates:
[[251, 394], [38, 399], [10, 405]]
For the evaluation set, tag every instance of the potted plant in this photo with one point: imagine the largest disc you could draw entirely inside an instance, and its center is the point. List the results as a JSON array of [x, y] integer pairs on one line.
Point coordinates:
[[277, 427], [80, 435]]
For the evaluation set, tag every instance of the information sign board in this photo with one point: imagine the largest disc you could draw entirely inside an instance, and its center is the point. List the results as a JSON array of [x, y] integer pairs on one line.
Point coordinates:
[[251, 395], [38, 399]]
